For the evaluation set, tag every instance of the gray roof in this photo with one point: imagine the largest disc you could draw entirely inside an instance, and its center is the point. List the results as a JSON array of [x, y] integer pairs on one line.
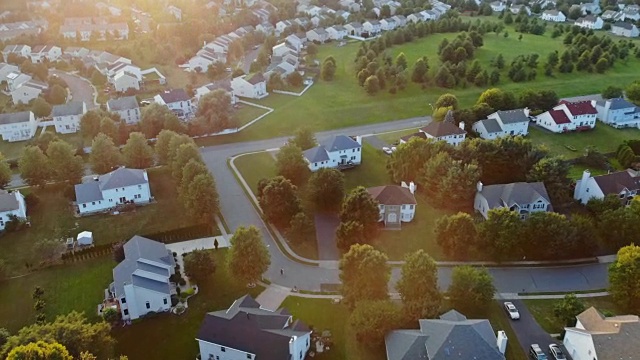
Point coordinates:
[[491, 125], [624, 25], [452, 336], [619, 103], [515, 193], [122, 177], [70, 108], [340, 142], [617, 182], [8, 201], [140, 254], [88, 192], [247, 327], [512, 116], [14, 118], [174, 95], [316, 154], [123, 103]]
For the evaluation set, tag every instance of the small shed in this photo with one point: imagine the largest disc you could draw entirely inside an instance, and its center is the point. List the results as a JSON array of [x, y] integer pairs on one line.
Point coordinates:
[[85, 238]]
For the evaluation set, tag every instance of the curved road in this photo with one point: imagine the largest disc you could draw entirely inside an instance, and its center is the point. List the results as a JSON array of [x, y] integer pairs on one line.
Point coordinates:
[[81, 88], [238, 210]]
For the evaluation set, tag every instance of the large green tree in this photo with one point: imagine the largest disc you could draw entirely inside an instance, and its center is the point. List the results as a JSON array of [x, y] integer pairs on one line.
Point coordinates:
[[291, 164], [364, 274], [161, 146], [360, 207], [137, 153], [567, 309], [5, 172], [633, 92], [405, 163], [39, 350], [279, 201], [34, 166], [447, 100], [456, 235], [184, 154], [418, 286], [301, 229], [65, 164], [448, 182], [471, 289], [189, 172], [304, 139], [199, 265], [201, 201], [215, 111], [372, 320], [554, 173], [349, 233], [248, 256], [624, 274], [326, 189], [153, 119], [105, 155], [500, 234]]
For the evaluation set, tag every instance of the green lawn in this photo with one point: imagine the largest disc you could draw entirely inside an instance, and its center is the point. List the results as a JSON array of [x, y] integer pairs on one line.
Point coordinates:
[[79, 286], [254, 167], [576, 170], [392, 137], [247, 113], [168, 336], [52, 218], [13, 150], [371, 172], [603, 137], [542, 311]]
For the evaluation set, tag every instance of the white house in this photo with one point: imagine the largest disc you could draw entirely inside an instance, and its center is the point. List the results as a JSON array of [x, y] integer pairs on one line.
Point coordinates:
[[598, 337], [222, 84], [503, 123], [20, 50], [204, 58], [568, 116], [282, 26], [125, 80], [618, 113], [18, 126], [521, 197], [282, 49], [498, 6], [66, 117], [519, 8], [248, 331], [354, 28], [297, 40], [388, 24], [339, 151], [6, 70], [624, 29], [28, 91], [337, 32], [318, 35], [621, 183], [397, 204], [266, 28], [590, 22], [554, 16], [372, 27], [127, 107], [16, 79], [45, 53], [445, 131], [105, 192], [141, 281], [175, 11], [177, 100], [250, 86], [631, 13], [11, 204]]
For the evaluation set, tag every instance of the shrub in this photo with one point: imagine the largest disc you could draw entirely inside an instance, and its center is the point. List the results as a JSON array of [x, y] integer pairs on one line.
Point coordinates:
[[182, 282]]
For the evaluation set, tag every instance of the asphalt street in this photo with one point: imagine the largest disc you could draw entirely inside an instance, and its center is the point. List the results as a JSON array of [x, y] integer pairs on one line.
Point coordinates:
[[80, 88], [529, 332]]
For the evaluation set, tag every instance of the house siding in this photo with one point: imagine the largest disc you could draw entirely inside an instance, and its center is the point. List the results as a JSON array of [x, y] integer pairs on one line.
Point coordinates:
[[19, 131], [335, 159], [21, 212], [113, 197], [137, 299], [579, 346]]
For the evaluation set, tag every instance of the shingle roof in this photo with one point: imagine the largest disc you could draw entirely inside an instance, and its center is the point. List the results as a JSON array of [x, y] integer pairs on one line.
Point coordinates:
[[122, 177], [515, 193], [512, 116], [559, 117], [406, 345], [623, 24], [8, 201], [442, 128], [88, 192], [619, 103], [316, 154], [247, 327], [123, 103], [174, 95], [340, 142], [491, 125], [580, 107], [392, 195], [418, 134], [14, 118], [68, 109], [255, 78], [616, 182]]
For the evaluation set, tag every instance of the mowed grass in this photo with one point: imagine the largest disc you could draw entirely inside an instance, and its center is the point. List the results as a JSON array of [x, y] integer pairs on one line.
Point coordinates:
[[576, 171], [254, 167], [168, 336], [246, 114], [393, 137], [52, 218], [542, 311], [13, 150], [79, 286]]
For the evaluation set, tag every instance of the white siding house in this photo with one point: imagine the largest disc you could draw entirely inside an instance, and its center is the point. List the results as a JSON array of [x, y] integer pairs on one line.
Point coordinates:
[[337, 32], [621, 183], [177, 100], [445, 131], [105, 192], [250, 86], [590, 22], [18, 126], [124, 81], [338, 151], [568, 116], [618, 113], [28, 91], [66, 117], [317, 35], [625, 29], [523, 198], [554, 16], [11, 204], [397, 204], [127, 107], [44, 53], [373, 27], [503, 123], [20, 50]]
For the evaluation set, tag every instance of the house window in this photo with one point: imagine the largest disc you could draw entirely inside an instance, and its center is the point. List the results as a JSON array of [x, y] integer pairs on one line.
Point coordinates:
[[139, 187], [123, 300], [410, 207], [404, 207], [248, 356], [222, 348], [116, 190], [93, 203], [148, 305], [126, 312], [84, 206], [300, 354]]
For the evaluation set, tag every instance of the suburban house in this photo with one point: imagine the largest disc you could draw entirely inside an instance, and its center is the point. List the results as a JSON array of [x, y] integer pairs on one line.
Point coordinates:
[[318, 35], [397, 204], [204, 58], [569, 116], [451, 336], [247, 331], [16, 79], [175, 11], [222, 85], [445, 131], [20, 50], [618, 113], [631, 12], [18, 126], [590, 22], [93, 28], [282, 25], [621, 183], [141, 283], [388, 24], [354, 28], [339, 151], [12, 30], [253, 86], [28, 91], [177, 100], [520, 9], [66, 117], [497, 6], [598, 337], [127, 107], [612, 15], [11, 204], [554, 16], [503, 123], [372, 27], [337, 32], [124, 81], [6, 70], [43, 53], [624, 29], [282, 49], [105, 192], [521, 197], [297, 40], [266, 28]]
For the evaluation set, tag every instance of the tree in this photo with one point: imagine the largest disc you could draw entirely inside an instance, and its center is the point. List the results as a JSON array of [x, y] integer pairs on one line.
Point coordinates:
[[199, 265], [57, 95], [567, 309], [364, 274], [471, 288], [372, 320], [597, 207], [554, 173], [372, 85], [444, 78], [447, 100], [349, 233], [40, 107], [420, 70], [418, 286], [248, 257], [312, 49], [90, 123], [456, 235], [5, 173], [201, 201], [328, 70], [109, 128], [406, 162], [304, 139], [623, 279], [279, 201], [499, 62], [496, 98], [633, 92], [104, 154], [290, 163], [499, 233], [602, 65], [301, 228], [611, 92], [4, 336], [360, 207], [192, 169], [295, 79], [64, 163], [137, 153], [183, 155], [162, 146], [153, 119], [326, 189], [98, 79], [449, 182], [401, 61], [40, 350], [215, 111]]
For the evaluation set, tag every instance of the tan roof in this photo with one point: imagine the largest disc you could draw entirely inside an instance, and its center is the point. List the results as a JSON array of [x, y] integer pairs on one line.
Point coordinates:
[[392, 195], [594, 322]]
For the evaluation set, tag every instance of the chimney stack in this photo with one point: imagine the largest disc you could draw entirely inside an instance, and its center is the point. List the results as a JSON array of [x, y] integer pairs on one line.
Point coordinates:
[[461, 125], [412, 187], [479, 186], [502, 341]]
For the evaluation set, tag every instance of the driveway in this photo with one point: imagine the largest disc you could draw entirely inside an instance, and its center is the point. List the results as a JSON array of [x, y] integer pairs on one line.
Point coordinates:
[[81, 88], [528, 331], [326, 225], [376, 142]]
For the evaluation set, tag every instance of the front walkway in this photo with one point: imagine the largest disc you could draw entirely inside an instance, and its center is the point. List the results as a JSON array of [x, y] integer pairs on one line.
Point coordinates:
[[185, 247]]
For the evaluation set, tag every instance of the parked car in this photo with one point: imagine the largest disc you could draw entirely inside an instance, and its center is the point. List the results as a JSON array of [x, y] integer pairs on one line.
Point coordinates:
[[535, 353], [511, 310], [556, 352], [393, 149], [386, 150]]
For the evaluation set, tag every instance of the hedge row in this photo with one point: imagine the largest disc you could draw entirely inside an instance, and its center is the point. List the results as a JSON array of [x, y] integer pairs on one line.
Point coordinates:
[[87, 253]]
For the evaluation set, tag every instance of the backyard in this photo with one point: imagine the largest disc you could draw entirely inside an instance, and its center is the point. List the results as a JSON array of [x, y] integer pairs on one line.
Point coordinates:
[[542, 311]]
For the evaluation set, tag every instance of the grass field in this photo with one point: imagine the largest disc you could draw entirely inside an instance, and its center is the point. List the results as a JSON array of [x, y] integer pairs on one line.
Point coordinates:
[[168, 336], [542, 310], [52, 218], [247, 113], [13, 150]]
